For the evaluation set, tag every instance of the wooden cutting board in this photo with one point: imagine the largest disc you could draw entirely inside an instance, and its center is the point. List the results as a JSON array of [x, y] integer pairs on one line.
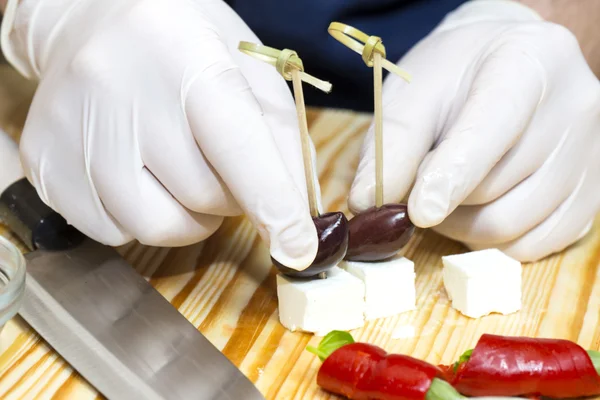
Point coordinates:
[[226, 287]]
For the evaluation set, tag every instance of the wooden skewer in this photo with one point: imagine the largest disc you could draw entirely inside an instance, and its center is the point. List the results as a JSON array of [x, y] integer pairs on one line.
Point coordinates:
[[288, 64], [306, 150], [371, 48], [378, 113]]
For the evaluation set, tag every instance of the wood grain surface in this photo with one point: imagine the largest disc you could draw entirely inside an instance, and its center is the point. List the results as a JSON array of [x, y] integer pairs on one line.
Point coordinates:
[[226, 287]]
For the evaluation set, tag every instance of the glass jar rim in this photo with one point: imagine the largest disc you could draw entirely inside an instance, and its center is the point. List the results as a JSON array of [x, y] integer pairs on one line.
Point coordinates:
[[15, 283]]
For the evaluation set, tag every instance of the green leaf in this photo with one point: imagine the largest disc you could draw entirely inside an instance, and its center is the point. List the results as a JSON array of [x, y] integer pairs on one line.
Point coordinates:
[[595, 357], [330, 343], [463, 359], [442, 390]]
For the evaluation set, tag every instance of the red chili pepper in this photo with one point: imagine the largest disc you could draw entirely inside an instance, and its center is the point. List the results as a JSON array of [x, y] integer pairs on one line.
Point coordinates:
[[448, 372], [343, 370], [361, 371], [521, 366]]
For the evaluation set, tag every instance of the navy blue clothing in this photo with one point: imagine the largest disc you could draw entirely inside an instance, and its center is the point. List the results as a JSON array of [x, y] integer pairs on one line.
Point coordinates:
[[301, 25]]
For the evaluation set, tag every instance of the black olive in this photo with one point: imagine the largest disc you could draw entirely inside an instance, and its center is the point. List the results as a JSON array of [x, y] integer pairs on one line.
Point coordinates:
[[379, 233], [332, 230]]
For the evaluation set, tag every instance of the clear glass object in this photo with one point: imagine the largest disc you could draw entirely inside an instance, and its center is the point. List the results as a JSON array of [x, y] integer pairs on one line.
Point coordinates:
[[12, 280]]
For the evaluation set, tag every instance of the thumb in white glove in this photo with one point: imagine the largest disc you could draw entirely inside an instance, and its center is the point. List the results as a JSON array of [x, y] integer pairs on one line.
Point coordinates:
[[495, 142], [149, 124]]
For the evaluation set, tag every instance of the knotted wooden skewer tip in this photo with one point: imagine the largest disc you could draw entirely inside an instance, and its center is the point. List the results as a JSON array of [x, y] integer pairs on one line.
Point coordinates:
[[372, 50], [290, 67]]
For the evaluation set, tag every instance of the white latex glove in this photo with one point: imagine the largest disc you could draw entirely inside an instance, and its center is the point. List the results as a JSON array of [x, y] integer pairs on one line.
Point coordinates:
[[496, 142], [11, 170], [149, 124]]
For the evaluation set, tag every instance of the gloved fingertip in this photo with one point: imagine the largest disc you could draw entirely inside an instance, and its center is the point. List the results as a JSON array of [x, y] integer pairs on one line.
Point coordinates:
[[362, 196], [296, 245], [429, 204], [114, 240], [585, 231], [426, 214]]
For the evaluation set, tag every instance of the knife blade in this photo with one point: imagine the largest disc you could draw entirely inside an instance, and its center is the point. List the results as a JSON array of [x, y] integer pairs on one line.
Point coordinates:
[[101, 316]]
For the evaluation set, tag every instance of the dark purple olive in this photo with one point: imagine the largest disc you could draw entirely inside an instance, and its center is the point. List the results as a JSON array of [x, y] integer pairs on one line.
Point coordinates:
[[332, 230], [377, 234]]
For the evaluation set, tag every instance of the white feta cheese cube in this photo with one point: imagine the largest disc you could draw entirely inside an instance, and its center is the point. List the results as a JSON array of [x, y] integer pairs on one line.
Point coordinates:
[[321, 305], [483, 282], [389, 285]]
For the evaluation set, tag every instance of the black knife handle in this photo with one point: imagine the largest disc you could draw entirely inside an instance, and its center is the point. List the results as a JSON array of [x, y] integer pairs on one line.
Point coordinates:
[[36, 224]]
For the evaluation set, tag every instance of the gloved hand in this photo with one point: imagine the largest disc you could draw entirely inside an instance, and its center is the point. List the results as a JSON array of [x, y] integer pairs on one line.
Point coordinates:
[[496, 142], [149, 124]]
